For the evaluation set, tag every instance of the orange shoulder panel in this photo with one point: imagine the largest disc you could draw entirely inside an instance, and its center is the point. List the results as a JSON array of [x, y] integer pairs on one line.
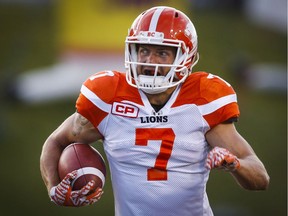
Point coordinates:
[[111, 86], [108, 86], [201, 88], [103, 84]]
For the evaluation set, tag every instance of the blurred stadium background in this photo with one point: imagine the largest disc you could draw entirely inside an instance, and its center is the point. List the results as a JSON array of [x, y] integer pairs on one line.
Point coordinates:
[[47, 48]]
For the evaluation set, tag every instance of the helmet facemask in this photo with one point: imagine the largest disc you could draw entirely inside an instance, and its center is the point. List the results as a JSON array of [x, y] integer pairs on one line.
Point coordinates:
[[155, 83]]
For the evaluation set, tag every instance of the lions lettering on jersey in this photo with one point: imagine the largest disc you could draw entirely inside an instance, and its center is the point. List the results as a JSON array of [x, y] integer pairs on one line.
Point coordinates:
[[153, 119]]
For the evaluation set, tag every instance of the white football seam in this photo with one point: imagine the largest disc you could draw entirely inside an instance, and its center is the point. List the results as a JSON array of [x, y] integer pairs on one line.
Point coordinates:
[[89, 170]]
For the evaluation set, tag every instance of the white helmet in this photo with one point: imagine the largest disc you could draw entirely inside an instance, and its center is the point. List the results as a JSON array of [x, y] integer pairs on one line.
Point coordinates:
[[163, 26]]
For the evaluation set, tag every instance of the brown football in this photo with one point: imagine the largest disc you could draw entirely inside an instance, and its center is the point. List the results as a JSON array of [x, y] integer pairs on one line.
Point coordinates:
[[87, 160]]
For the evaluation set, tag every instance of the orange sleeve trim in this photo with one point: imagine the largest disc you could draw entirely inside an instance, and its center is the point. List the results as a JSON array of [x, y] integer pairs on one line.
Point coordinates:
[[89, 110], [223, 114]]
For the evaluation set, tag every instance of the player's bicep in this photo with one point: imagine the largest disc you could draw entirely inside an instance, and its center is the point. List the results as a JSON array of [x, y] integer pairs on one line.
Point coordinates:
[[226, 136]]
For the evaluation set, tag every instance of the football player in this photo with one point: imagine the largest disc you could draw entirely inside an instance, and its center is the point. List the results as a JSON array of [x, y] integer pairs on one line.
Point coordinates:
[[163, 127]]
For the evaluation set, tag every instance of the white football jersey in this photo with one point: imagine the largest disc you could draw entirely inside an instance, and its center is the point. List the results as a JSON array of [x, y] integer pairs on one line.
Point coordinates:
[[157, 159]]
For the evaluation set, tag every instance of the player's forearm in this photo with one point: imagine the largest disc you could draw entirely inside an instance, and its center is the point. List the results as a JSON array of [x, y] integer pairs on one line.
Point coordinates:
[[48, 163], [252, 174]]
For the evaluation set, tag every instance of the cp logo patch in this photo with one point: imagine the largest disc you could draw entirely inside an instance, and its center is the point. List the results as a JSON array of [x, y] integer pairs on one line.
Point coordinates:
[[124, 109]]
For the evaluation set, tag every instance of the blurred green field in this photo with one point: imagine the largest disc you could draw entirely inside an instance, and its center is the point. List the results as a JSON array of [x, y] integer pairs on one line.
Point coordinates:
[[27, 42]]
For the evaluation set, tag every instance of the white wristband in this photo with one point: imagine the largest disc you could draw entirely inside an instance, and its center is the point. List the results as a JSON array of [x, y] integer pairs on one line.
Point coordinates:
[[52, 191]]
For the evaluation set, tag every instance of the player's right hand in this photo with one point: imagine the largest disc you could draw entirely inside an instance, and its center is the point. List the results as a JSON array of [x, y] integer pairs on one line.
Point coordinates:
[[63, 195]]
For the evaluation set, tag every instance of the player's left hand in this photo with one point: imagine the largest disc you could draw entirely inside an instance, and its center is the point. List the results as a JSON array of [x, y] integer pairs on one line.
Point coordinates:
[[84, 196], [223, 159]]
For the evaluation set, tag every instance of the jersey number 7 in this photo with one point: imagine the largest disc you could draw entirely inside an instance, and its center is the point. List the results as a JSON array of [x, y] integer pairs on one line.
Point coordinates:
[[167, 136]]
